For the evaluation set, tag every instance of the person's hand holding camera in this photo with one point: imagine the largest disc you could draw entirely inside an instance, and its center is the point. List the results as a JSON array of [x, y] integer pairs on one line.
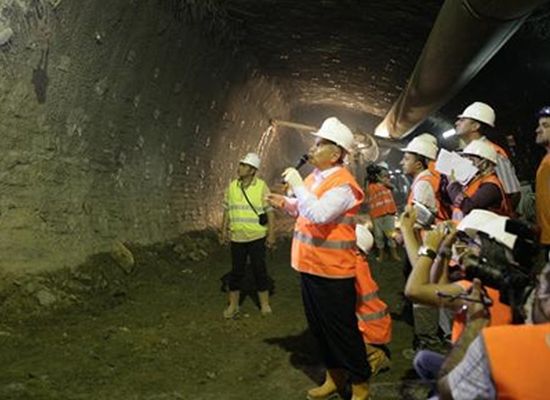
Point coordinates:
[[407, 219], [433, 238]]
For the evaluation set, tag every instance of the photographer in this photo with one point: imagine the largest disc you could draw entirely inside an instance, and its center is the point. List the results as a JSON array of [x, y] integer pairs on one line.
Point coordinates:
[[504, 361], [439, 246]]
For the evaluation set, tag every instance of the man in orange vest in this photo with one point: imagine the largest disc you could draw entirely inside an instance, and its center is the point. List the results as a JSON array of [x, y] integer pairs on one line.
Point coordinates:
[[501, 362], [542, 190], [430, 274], [473, 124], [381, 209], [485, 190], [324, 253], [372, 313]]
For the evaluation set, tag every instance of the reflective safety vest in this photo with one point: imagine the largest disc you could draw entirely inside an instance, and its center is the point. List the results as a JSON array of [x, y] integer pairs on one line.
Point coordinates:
[[241, 216], [380, 200], [328, 250], [472, 187], [501, 314], [434, 181], [519, 356], [372, 313]]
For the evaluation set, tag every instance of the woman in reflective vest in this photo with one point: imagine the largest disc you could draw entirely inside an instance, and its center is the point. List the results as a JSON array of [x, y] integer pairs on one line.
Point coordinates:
[[485, 191]]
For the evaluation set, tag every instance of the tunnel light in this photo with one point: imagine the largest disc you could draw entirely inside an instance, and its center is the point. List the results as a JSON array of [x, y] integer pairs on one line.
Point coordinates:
[[449, 133]]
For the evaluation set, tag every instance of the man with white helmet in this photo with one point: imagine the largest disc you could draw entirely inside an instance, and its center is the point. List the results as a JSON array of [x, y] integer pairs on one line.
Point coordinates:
[[247, 222], [485, 190], [473, 124], [424, 193], [323, 252]]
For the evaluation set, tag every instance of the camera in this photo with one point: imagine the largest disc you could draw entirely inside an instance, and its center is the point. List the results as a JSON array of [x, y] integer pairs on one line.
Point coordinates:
[[424, 216], [512, 273]]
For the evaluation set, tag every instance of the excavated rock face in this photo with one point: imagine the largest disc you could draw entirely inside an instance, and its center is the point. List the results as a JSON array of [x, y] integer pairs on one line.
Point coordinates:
[[125, 120]]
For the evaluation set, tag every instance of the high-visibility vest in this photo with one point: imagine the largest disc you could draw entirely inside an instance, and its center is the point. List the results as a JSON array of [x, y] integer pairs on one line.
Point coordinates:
[[434, 180], [519, 356], [328, 250], [472, 187], [443, 210], [501, 314], [380, 200], [373, 317], [241, 215]]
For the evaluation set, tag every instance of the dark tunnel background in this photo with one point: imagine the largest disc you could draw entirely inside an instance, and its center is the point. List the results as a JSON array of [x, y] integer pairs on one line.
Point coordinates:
[[124, 120]]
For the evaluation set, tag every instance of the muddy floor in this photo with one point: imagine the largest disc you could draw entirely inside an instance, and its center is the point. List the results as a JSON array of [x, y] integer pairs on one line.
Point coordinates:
[[158, 333]]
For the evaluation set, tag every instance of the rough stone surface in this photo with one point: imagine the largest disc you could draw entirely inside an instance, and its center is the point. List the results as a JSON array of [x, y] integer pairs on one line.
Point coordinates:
[[119, 120]]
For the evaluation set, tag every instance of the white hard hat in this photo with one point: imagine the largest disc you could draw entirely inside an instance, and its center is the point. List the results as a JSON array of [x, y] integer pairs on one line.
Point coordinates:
[[489, 223], [428, 137], [481, 149], [335, 131], [251, 159], [480, 112], [383, 164], [422, 146], [364, 238]]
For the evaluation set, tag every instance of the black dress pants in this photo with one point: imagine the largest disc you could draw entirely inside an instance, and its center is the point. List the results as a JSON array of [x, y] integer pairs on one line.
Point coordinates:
[[330, 311]]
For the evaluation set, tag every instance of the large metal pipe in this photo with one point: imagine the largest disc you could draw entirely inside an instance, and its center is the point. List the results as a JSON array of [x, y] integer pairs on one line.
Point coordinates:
[[465, 36]]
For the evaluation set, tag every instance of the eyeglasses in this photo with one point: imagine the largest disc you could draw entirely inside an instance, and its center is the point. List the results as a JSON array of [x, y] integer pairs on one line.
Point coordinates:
[[544, 112]]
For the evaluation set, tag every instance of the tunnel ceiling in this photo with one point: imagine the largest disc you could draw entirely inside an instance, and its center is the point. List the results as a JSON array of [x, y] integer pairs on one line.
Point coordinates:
[[347, 53], [359, 54]]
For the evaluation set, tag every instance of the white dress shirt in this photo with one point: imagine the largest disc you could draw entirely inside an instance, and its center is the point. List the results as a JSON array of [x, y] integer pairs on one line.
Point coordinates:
[[332, 204], [422, 191]]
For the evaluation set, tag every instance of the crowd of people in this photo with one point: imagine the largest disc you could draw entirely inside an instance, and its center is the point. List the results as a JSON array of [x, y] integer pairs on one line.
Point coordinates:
[[473, 276]]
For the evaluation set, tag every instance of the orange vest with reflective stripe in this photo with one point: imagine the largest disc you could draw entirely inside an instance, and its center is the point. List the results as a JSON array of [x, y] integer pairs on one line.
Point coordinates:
[[380, 200], [471, 189], [501, 314], [328, 250], [519, 356], [372, 313], [433, 180]]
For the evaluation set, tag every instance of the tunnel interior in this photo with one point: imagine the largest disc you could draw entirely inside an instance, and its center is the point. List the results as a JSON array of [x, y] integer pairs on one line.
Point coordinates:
[[125, 120]]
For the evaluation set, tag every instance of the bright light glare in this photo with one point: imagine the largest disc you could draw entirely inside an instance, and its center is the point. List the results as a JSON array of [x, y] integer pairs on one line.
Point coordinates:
[[449, 133]]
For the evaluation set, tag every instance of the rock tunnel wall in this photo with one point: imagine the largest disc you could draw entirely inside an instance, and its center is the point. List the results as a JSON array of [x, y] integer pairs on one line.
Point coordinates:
[[119, 120]]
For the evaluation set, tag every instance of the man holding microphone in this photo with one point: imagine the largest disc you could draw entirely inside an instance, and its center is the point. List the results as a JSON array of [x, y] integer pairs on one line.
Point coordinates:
[[323, 252]]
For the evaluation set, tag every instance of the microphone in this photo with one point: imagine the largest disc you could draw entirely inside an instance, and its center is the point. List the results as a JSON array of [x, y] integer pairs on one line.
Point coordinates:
[[301, 162]]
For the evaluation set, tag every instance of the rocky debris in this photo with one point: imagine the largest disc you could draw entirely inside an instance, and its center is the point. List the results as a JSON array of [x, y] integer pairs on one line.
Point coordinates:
[[193, 248], [123, 256], [46, 298]]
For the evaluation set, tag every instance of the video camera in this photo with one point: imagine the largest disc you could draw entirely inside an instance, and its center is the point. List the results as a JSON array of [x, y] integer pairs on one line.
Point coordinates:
[[513, 275]]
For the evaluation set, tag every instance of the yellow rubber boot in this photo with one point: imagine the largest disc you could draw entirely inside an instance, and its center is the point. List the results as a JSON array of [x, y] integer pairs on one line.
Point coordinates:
[[265, 308], [232, 310], [334, 379], [360, 391], [378, 360]]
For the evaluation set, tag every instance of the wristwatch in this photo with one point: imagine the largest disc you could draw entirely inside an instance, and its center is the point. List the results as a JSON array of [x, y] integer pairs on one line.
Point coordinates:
[[425, 251]]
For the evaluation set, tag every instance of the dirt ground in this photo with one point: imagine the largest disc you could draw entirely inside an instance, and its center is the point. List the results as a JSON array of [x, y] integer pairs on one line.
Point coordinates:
[[158, 333]]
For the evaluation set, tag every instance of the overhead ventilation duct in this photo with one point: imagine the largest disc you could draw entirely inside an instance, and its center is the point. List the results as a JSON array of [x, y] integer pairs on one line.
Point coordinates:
[[465, 36]]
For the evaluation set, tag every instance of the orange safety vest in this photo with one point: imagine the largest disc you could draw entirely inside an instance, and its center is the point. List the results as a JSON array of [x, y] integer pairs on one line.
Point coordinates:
[[434, 180], [328, 250], [373, 317], [380, 200], [472, 187], [501, 314], [519, 356]]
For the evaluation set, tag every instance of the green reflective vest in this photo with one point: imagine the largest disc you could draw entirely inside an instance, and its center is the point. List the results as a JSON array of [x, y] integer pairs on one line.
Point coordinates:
[[243, 221]]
